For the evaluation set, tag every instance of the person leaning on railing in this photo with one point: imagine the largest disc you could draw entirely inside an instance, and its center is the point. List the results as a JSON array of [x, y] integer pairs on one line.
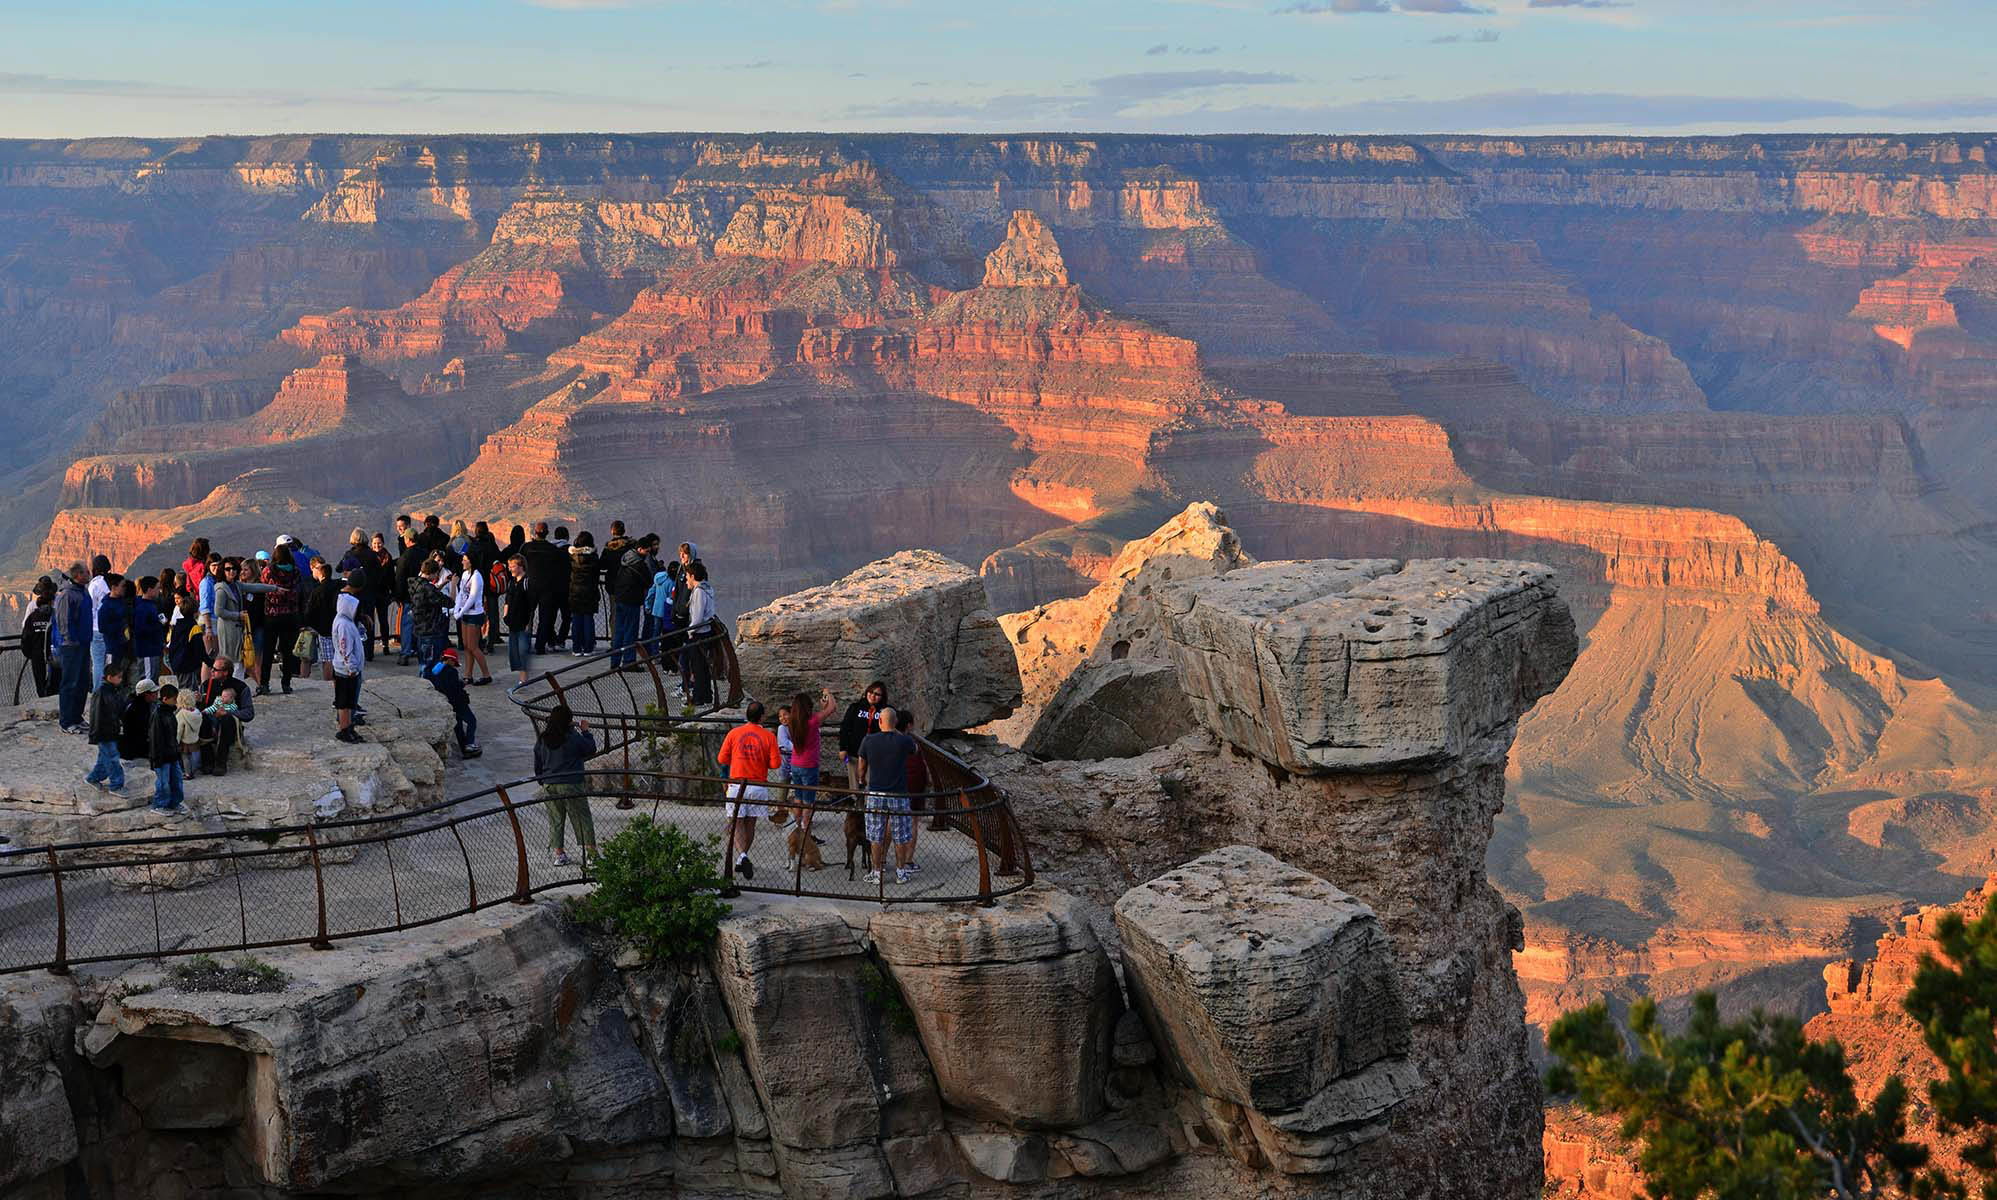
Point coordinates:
[[560, 755]]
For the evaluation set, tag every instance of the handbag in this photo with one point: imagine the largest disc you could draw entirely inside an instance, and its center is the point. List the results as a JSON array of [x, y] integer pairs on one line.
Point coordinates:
[[248, 654], [307, 645]]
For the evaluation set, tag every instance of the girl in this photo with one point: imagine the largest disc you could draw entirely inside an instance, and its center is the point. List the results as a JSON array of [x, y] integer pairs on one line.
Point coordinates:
[[803, 725], [469, 612], [560, 754], [187, 726]]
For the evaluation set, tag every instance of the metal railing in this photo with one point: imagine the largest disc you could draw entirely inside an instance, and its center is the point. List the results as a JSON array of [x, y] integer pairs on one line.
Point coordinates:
[[16, 676], [325, 881]]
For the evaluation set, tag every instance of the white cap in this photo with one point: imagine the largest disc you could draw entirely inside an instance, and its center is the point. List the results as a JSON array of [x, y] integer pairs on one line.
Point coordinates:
[[285, 539]]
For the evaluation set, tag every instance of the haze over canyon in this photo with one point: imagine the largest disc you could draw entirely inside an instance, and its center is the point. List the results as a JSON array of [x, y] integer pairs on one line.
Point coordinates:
[[1741, 393]]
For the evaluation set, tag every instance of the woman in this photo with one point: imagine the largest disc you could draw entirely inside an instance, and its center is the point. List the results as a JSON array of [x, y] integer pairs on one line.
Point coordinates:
[[278, 638], [231, 599], [583, 593], [469, 612], [560, 754], [379, 570], [862, 717], [461, 541], [485, 547], [196, 564], [514, 540], [802, 773]]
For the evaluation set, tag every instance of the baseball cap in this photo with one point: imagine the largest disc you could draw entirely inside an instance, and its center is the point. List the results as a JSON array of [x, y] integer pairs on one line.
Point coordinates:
[[263, 556], [451, 656], [146, 687], [285, 539]]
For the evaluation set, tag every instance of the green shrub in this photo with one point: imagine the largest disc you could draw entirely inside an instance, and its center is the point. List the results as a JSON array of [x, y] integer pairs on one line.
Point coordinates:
[[884, 998], [656, 887]]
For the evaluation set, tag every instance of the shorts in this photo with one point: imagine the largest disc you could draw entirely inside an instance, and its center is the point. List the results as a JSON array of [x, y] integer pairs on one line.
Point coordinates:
[[326, 652], [346, 691], [885, 809], [755, 801]]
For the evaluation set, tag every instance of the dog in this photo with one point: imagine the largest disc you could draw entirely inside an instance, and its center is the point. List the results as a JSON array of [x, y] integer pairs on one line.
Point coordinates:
[[856, 839], [805, 846]]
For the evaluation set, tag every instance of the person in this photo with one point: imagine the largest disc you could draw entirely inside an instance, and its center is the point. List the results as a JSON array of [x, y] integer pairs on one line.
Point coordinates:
[[468, 610], [99, 590], [443, 675], [230, 594], [430, 609], [433, 537], [918, 783], [560, 755], [380, 592], [803, 726], [749, 751], [114, 620], [171, 587], [658, 618], [700, 624], [163, 751], [861, 717], [149, 629], [187, 728], [194, 568], [35, 635], [278, 639], [107, 721], [460, 542], [185, 648], [407, 567], [519, 617], [583, 594], [629, 584], [548, 580], [71, 628], [221, 711], [516, 540], [610, 560], [348, 651], [883, 770], [405, 537], [210, 641], [136, 721], [316, 613], [485, 548], [356, 556], [561, 542]]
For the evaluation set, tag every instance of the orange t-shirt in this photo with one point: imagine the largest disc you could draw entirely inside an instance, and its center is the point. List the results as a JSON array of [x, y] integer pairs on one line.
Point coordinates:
[[750, 753]]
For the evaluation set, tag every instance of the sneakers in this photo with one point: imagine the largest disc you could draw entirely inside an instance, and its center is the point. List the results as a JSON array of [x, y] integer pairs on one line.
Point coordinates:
[[744, 867], [348, 736], [561, 858], [470, 750], [874, 877], [77, 729], [903, 875], [913, 868]]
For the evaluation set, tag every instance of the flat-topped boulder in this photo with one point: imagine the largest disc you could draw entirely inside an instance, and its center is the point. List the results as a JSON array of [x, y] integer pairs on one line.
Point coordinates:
[[293, 769], [1369, 664], [918, 621]]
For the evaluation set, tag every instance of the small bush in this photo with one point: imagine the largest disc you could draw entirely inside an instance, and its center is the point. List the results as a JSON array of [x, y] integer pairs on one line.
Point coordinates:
[[246, 976], [656, 887]]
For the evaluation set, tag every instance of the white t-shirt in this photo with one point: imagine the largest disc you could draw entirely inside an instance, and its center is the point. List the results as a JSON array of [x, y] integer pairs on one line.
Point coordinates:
[[98, 590]]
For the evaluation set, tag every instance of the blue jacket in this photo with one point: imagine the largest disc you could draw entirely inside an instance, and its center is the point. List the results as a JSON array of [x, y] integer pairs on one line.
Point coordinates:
[[148, 632], [71, 624], [114, 621], [659, 600]]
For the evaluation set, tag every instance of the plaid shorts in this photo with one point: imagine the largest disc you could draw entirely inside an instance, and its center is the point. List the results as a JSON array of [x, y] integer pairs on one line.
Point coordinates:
[[896, 807]]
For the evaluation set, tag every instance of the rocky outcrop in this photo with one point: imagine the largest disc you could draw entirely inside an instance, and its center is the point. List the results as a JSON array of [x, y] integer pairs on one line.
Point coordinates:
[[1369, 664], [917, 621], [1274, 993], [38, 1018], [1029, 256], [1113, 710]]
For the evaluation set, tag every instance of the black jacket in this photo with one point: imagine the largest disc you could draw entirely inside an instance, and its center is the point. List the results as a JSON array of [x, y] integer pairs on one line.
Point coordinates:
[[429, 609], [320, 605], [107, 714], [518, 608], [407, 566], [547, 568], [163, 741], [582, 579], [857, 724], [135, 734], [633, 578]]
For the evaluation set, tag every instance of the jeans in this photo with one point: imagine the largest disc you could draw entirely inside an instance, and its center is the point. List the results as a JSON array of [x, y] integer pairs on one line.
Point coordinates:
[[467, 727], [109, 769], [96, 661], [583, 626], [430, 647], [624, 632], [75, 660], [167, 792], [402, 637], [520, 649]]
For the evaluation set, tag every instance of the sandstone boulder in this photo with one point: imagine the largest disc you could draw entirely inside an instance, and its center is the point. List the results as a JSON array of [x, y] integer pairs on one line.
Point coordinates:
[[37, 1132], [1264, 984], [1016, 1004], [1114, 710], [918, 621], [1369, 664]]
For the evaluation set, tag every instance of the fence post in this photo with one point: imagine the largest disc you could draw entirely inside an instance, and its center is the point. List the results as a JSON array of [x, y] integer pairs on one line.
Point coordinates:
[[523, 887], [61, 964], [561, 697], [984, 861], [324, 941]]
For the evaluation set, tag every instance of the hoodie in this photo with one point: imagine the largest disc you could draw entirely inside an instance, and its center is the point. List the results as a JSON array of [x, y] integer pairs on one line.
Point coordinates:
[[582, 579], [347, 644], [72, 615]]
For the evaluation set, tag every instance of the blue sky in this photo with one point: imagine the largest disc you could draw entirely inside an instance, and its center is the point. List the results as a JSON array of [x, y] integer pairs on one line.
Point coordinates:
[[163, 68]]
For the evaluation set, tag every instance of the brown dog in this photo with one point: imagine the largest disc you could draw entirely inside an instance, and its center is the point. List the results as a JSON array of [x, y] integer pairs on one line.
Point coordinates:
[[803, 845], [856, 839]]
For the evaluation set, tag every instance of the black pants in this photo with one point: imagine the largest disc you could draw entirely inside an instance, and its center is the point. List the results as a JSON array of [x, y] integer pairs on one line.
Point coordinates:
[[547, 609], [44, 678], [701, 672], [379, 606], [275, 640], [224, 729]]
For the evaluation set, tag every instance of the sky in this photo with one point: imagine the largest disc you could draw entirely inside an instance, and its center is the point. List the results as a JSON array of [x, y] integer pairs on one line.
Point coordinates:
[[164, 68]]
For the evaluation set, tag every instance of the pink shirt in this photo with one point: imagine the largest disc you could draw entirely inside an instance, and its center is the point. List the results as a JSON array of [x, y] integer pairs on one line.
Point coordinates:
[[806, 755]]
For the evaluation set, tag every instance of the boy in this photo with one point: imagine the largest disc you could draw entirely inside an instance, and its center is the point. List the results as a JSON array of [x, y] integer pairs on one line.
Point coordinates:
[[443, 675], [165, 751], [148, 629], [347, 652], [107, 718]]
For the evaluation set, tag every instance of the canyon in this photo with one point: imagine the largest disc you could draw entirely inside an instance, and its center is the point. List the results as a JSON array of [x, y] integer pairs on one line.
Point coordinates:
[[1736, 392]]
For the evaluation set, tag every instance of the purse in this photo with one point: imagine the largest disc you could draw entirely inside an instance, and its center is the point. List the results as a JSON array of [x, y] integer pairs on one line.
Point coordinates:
[[307, 645]]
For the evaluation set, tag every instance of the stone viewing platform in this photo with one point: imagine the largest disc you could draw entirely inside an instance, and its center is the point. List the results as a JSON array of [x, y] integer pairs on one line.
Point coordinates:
[[1253, 950]]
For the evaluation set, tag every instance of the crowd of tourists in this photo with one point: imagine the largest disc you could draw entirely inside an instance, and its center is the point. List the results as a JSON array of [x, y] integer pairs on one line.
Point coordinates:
[[165, 666]]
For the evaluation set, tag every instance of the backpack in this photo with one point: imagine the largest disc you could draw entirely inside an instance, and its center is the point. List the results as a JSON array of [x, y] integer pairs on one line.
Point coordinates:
[[500, 580]]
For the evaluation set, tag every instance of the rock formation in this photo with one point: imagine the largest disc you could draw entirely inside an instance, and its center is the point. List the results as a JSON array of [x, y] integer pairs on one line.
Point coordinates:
[[917, 621]]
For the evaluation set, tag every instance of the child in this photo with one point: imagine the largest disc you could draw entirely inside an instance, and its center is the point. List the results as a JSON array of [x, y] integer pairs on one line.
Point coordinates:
[[443, 675], [187, 731], [165, 750], [107, 718]]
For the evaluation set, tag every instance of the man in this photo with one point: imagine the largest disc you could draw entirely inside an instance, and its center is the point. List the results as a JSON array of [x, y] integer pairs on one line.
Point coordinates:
[[107, 721], [443, 675], [349, 650], [73, 627], [430, 609], [883, 771], [406, 569], [750, 754], [221, 705], [632, 580], [547, 582], [433, 537], [149, 629], [403, 536]]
